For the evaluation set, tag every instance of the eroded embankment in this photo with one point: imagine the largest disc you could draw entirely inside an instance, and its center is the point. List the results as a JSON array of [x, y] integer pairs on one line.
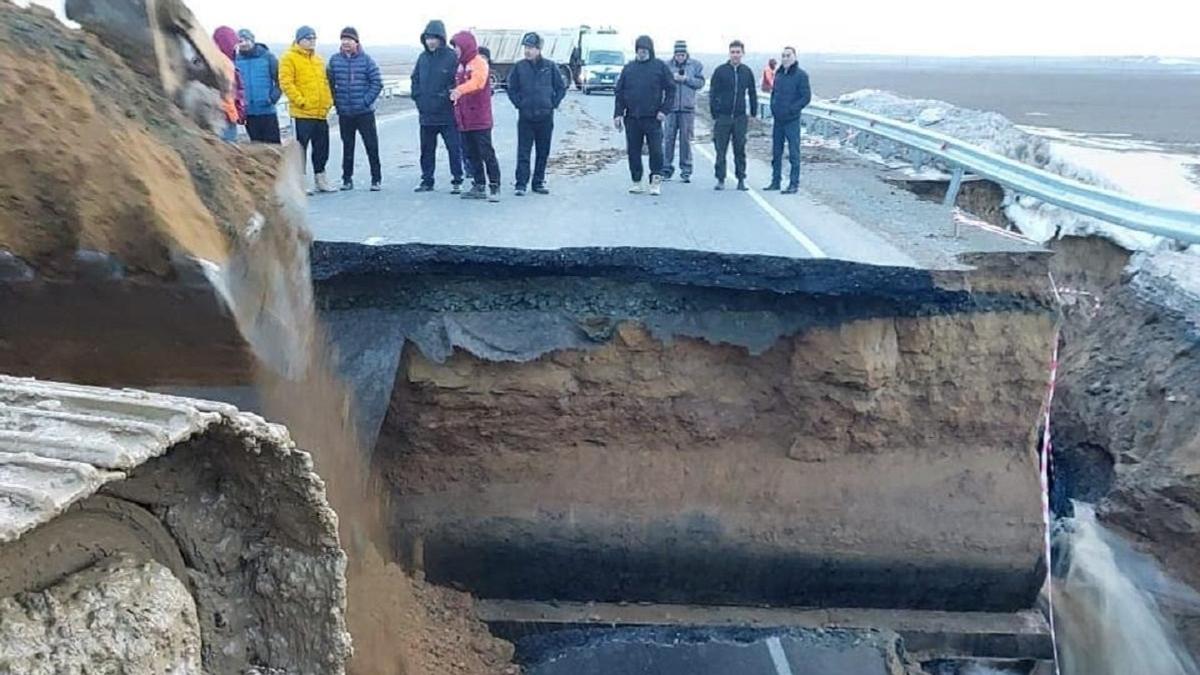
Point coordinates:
[[678, 426], [1127, 417]]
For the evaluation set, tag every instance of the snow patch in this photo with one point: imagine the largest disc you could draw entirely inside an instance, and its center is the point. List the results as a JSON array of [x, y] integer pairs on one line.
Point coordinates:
[[1114, 162]]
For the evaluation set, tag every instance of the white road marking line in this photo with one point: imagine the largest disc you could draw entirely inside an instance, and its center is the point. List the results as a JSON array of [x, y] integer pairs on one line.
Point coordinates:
[[780, 219], [778, 657]]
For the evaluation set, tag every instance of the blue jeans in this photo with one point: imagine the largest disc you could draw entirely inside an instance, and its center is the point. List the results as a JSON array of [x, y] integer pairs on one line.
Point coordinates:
[[230, 133], [788, 132]]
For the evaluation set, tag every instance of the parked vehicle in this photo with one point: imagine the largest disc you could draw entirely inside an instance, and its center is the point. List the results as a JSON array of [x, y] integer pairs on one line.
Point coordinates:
[[590, 58]]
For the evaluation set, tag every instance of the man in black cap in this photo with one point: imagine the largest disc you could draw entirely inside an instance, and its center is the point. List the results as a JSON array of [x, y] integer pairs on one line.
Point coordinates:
[[432, 80], [536, 88], [645, 93], [688, 75], [356, 83]]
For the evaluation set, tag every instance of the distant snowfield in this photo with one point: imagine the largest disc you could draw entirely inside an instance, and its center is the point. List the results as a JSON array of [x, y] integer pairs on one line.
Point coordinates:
[[1140, 168]]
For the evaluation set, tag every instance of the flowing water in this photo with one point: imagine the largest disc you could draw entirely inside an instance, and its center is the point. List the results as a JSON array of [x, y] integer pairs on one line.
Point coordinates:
[[1108, 601]]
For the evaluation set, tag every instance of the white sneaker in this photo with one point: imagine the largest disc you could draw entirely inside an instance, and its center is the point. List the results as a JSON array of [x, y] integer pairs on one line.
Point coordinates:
[[637, 189], [322, 182], [655, 185]]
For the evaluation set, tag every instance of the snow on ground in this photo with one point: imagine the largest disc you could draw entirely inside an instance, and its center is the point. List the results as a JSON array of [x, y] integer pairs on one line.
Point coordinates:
[[1118, 162]]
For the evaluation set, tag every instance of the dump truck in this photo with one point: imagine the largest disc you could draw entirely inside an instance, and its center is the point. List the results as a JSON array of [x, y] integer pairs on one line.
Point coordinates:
[[589, 58]]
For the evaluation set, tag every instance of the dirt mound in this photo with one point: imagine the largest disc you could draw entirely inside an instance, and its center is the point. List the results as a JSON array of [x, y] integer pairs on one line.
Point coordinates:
[[97, 157]]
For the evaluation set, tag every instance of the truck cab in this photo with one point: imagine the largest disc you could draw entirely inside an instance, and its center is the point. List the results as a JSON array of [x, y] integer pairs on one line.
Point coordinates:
[[602, 54]]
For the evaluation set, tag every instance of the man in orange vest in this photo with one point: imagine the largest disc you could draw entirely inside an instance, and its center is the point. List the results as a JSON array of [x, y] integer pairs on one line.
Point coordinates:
[[768, 86]]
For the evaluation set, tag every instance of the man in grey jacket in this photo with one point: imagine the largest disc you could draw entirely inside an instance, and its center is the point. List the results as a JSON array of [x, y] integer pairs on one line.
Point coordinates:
[[681, 121]]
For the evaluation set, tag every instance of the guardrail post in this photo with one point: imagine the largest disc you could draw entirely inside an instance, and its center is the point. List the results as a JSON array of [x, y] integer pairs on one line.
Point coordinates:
[[952, 191], [917, 159]]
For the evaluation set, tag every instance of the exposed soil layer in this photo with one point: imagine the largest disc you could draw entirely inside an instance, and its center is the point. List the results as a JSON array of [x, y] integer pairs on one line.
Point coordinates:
[[1127, 418], [704, 428]]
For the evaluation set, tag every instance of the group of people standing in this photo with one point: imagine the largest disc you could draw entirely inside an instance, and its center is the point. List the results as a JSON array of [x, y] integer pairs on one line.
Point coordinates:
[[451, 85], [656, 106], [350, 83]]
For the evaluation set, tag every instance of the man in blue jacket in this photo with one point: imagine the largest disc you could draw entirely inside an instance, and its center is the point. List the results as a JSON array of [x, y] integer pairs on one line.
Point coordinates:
[[432, 80], [536, 88], [260, 77], [788, 99], [356, 83]]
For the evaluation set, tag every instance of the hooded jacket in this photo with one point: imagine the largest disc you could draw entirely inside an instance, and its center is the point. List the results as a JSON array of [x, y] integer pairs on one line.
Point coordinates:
[[645, 88], [472, 112], [433, 78], [791, 94], [685, 92], [355, 80], [259, 71], [730, 90], [234, 102], [302, 77], [536, 88]]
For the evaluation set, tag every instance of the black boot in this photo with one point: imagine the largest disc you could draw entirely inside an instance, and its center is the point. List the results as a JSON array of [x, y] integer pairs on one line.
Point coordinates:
[[742, 185], [773, 187], [476, 192]]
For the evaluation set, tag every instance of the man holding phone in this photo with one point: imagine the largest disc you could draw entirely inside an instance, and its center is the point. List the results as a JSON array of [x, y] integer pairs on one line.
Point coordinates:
[[681, 120]]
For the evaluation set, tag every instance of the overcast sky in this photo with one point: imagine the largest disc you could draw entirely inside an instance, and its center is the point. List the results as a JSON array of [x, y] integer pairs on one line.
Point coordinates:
[[933, 27]]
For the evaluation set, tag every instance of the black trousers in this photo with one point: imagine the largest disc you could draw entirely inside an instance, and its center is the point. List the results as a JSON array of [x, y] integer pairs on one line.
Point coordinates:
[[453, 141], [530, 134], [315, 132], [639, 131], [482, 156], [263, 128], [363, 125], [724, 130]]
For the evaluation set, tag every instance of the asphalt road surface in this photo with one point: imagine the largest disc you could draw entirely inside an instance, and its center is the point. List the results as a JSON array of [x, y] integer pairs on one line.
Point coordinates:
[[589, 204]]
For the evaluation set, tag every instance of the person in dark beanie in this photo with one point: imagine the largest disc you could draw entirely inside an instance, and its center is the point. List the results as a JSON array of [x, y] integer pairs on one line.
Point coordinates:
[[645, 93], [536, 88], [432, 80], [790, 95], [356, 82], [472, 100], [732, 91], [680, 124], [260, 77]]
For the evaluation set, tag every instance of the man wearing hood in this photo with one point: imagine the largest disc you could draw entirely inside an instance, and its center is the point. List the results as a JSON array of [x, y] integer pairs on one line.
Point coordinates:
[[472, 100], [356, 83], [432, 80], [302, 77], [259, 71], [645, 93], [233, 103], [536, 88], [688, 76]]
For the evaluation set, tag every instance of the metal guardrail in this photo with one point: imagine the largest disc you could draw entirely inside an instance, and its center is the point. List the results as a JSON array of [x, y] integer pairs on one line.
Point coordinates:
[[1106, 205]]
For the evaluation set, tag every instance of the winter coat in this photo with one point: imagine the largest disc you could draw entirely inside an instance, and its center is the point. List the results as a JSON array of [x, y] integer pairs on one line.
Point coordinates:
[[792, 93], [645, 88], [233, 102], [302, 77], [536, 88], [433, 78], [355, 81], [730, 89], [259, 71], [685, 92], [473, 111]]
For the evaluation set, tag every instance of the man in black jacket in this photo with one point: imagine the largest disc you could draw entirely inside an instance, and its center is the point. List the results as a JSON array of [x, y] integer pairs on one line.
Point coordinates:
[[645, 92], [788, 99], [432, 80], [535, 87], [731, 92]]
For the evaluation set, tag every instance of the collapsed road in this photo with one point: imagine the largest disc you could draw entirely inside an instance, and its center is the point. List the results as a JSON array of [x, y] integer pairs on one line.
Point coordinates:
[[703, 399]]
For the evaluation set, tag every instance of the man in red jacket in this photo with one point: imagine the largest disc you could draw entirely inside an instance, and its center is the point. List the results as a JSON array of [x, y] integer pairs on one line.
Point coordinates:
[[472, 100]]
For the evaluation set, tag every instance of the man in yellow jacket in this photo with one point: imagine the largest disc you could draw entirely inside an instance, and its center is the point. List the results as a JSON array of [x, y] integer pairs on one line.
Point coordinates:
[[302, 78]]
